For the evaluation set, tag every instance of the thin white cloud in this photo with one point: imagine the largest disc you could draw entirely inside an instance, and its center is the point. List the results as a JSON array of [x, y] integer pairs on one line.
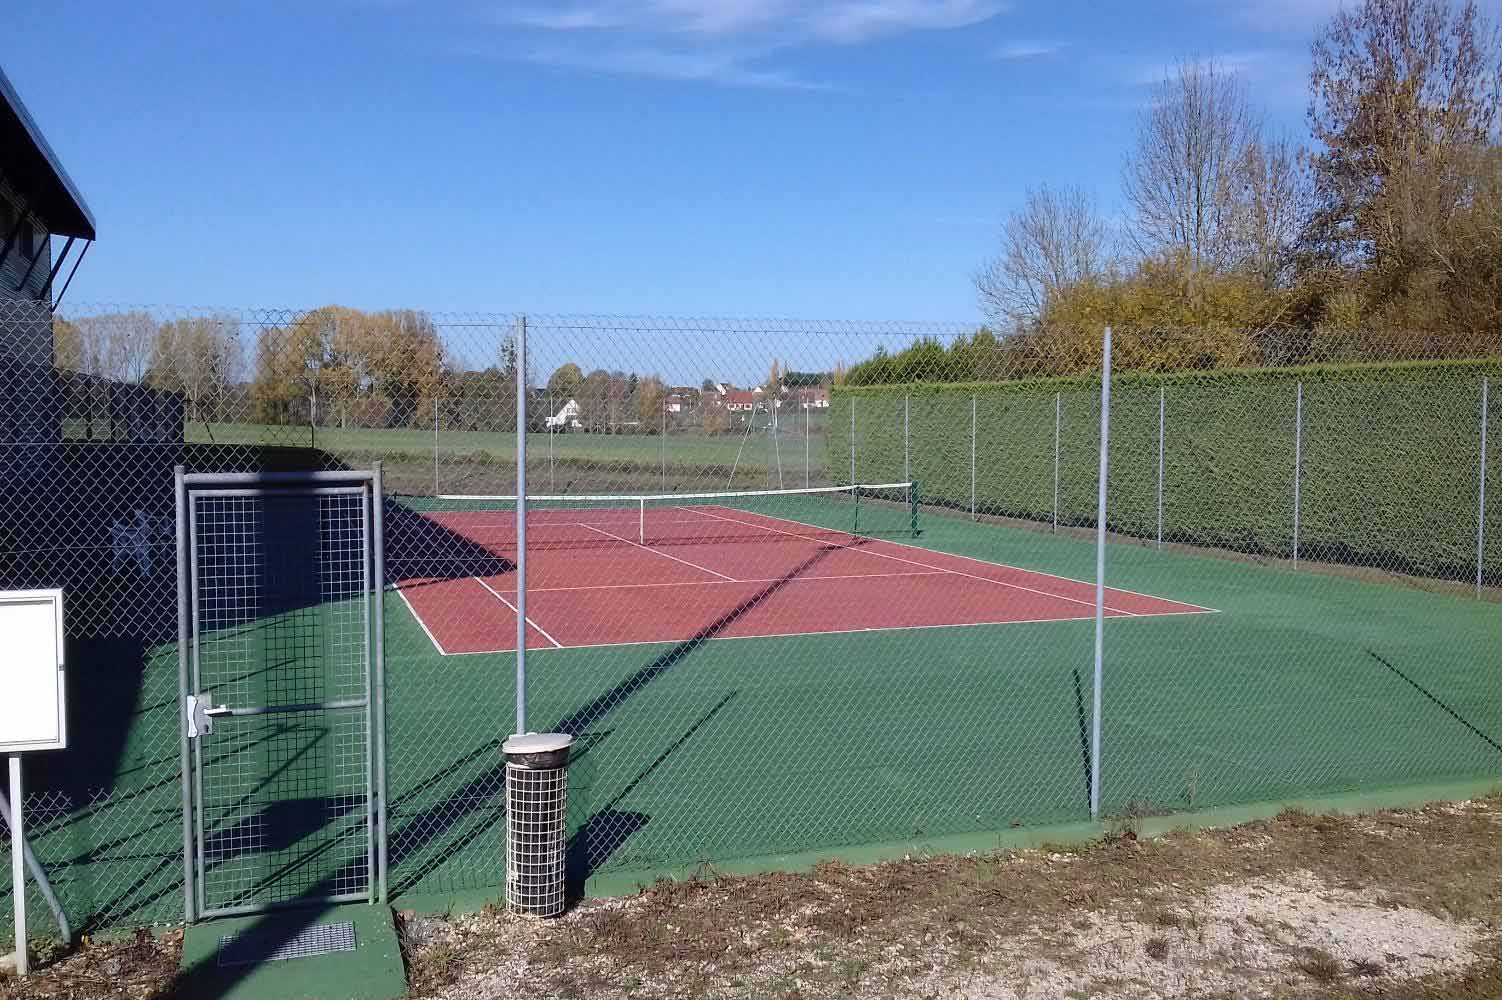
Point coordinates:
[[1024, 51], [837, 22], [744, 43], [858, 21], [726, 69], [566, 19]]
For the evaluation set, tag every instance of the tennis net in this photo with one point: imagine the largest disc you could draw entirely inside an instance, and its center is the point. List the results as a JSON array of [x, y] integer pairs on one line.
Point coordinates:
[[570, 520]]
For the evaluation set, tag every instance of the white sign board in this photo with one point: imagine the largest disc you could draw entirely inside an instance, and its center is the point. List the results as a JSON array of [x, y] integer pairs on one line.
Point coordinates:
[[33, 712]]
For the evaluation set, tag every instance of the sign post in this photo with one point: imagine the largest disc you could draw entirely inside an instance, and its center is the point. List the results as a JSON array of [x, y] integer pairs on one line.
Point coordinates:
[[33, 715]]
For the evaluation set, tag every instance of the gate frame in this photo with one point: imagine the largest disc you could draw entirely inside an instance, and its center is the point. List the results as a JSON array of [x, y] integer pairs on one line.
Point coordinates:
[[370, 483]]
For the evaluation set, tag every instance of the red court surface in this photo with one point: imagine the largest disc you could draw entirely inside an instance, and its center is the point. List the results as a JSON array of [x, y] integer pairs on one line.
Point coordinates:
[[718, 573]]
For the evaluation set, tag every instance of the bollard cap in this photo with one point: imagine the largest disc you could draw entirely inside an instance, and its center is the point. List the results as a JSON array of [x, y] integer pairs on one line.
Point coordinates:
[[530, 743]]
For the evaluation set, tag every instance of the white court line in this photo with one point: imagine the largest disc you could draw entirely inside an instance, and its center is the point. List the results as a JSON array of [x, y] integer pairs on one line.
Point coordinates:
[[914, 562], [665, 555], [532, 525], [721, 583], [916, 548], [1020, 569], [846, 631], [540, 630], [422, 624]]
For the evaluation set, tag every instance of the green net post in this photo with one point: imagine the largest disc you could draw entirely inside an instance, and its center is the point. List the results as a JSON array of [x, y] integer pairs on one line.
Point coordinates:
[[855, 494], [912, 502]]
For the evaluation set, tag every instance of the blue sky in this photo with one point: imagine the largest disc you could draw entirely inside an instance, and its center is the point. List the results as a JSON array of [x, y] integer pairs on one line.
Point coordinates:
[[822, 158]]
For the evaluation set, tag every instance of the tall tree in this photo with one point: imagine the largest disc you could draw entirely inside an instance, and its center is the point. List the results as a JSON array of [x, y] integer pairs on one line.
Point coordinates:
[[651, 404], [565, 382], [199, 358], [1056, 239], [67, 345], [1187, 174], [1399, 91]]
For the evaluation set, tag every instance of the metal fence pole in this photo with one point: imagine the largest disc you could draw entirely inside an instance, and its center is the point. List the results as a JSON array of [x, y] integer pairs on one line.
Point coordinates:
[[852, 444], [1160, 467], [185, 763], [552, 483], [1298, 465], [972, 458], [907, 448], [18, 861], [378, 639], [1058, 406], [436, 490], [1100, 572], [521, 524], [806, 409], [1481, 492], [664, 444]]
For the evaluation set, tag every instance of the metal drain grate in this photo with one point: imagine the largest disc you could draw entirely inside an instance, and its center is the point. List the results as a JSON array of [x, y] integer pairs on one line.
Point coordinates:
[[269, 946]]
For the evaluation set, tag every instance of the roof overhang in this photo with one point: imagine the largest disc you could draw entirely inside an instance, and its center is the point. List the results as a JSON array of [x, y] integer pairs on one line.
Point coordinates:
[[35, 171]]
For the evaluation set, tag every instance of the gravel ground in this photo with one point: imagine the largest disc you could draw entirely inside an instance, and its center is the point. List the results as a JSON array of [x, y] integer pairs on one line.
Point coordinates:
[[1405, 905]]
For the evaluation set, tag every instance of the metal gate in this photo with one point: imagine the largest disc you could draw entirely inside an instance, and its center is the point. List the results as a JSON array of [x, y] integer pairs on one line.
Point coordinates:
[[279, 628]]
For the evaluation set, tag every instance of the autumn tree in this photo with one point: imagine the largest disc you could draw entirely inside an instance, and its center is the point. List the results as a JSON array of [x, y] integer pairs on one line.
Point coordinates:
[[198, 358], [67, 345], [1400, 91], [565, 382], [651, 403]]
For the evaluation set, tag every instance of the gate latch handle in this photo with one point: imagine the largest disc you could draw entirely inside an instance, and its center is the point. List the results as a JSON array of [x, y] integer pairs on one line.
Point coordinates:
[[200, 712]]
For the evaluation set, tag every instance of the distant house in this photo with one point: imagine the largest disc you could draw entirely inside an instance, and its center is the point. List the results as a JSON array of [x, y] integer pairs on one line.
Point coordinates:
[[566, 419], [682, 399], [741, 400], [813, 398]]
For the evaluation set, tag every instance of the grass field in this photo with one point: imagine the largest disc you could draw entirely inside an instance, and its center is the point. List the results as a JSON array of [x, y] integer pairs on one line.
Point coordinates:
[[1305, 683], [419, 462]]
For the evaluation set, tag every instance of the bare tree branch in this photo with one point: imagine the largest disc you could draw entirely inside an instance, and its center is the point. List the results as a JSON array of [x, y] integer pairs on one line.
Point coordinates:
[[1056, 239]]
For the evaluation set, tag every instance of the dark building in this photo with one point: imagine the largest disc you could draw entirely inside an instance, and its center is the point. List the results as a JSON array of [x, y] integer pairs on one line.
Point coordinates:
[[38, 202]]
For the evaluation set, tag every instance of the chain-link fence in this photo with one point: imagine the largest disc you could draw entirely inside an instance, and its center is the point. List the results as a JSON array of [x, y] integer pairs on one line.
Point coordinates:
[[793, 587]]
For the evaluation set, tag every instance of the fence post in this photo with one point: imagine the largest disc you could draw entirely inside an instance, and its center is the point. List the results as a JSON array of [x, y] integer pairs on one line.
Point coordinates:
[[1481, 493], [972, 458], [18, 862], [806, 409], [1298, 465], [907, 448], [1160, 467], [184, 749], [1100, 572], [521, 524], [552, 483], [664, 443], [852, 445], [436, 490], [1058, 406], [378, 709]]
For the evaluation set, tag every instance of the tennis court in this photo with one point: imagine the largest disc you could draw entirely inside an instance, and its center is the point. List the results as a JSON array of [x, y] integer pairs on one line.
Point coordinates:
[[628, 570]]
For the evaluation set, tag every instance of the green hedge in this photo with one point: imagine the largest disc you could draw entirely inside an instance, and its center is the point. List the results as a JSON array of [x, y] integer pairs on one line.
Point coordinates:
[[1390, 459]]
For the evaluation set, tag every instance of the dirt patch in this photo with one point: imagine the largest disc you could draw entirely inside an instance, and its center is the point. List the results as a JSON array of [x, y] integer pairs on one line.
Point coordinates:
[[1399, 903], [1404, 905], [140, 967]]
